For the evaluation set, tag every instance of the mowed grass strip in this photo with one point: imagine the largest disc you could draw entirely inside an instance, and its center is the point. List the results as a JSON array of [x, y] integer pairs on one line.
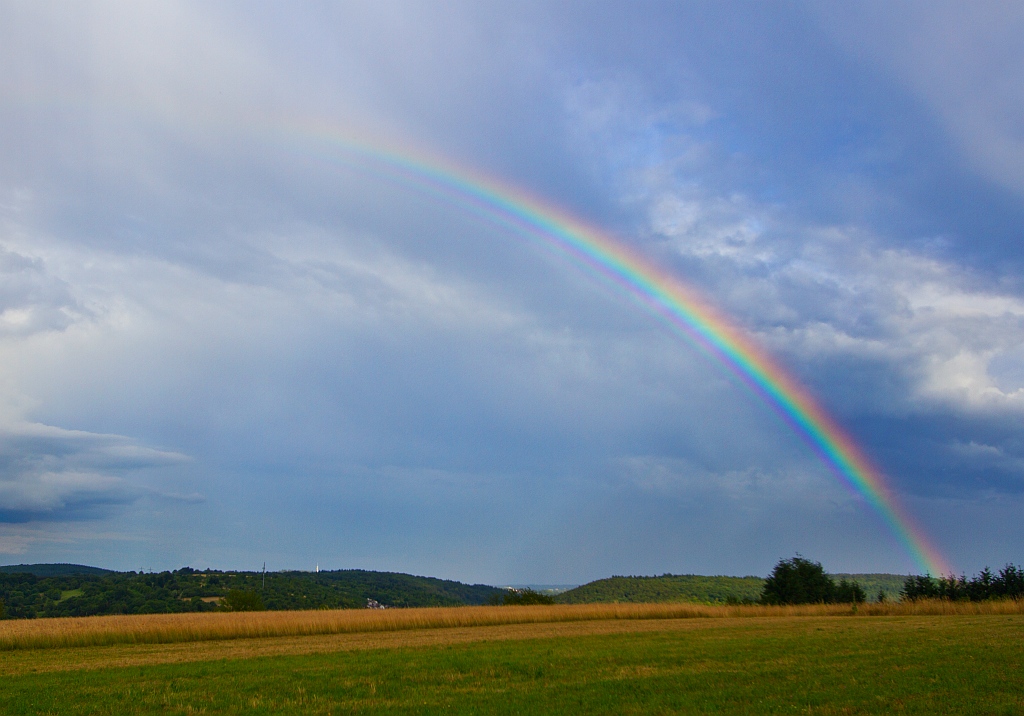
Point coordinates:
[[171, 628], [824, 665], [25, 661], [120, 655]]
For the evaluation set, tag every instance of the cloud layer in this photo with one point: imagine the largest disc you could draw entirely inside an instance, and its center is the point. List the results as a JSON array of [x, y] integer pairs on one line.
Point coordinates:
[[224, 341]]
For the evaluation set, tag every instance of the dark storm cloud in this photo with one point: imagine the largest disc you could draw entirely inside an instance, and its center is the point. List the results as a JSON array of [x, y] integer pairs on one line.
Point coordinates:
[[51, 474]]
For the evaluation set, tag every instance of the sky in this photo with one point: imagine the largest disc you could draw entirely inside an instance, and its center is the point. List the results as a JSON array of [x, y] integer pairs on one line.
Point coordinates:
[[225, 339]]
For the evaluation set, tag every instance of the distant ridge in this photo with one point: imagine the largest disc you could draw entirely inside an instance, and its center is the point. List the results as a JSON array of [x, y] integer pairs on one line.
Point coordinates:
[[400, 589], [53, 570], [71, 590]]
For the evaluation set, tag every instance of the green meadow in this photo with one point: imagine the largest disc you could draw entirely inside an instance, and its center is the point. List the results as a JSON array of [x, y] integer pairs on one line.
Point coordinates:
[[825, 665]]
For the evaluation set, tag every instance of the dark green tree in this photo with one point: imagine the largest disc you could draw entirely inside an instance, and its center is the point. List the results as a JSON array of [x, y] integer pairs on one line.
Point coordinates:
[[953, 588], [982, 587], [849, 592], [522, 597], [920, 587], [798, 581], [1010, 582]]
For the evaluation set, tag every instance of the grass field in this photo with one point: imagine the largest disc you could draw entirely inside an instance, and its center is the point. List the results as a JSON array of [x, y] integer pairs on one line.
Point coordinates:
[[951, 660]]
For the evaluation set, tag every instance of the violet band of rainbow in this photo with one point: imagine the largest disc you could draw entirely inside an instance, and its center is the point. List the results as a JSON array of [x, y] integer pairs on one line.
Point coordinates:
[[682, 306]]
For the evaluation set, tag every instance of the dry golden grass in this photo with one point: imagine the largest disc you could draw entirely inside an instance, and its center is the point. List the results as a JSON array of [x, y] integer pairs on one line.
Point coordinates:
[[172, 628], [24, 661]]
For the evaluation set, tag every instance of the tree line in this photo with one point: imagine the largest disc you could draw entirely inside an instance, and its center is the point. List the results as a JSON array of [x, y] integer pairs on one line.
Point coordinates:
[[801, 581], [24, 595], [1008, 583]]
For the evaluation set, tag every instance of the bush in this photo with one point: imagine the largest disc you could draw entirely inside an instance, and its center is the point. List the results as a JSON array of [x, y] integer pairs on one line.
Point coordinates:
[[733, 600], [239, 601]]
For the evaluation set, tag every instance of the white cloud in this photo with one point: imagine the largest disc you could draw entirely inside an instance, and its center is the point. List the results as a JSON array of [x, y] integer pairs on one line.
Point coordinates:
[[114, 63], [822, 294], [32, 299], [717, 227], [817, 293]]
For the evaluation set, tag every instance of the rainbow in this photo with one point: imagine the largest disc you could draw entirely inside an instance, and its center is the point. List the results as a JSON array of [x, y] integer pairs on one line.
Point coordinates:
[[662, 293]]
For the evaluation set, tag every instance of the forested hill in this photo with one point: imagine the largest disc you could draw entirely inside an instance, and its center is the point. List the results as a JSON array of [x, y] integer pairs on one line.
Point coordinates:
[[698, 588], [666, 588], [52, 570], [891, 584], [403, 590], [27, 595]]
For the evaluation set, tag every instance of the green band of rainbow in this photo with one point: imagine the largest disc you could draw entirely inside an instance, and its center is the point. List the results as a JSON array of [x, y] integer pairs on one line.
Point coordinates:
[[682, 306]]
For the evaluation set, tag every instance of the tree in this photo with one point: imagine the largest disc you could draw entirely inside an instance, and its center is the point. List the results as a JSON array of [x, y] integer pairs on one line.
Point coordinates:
[[850, 593], [982, 587], [239, 601], [919, 587], [1010, 582], [953, 588], [798, 581]]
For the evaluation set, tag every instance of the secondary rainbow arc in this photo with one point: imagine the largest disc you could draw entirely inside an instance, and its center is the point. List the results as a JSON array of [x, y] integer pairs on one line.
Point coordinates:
[[664, 294]]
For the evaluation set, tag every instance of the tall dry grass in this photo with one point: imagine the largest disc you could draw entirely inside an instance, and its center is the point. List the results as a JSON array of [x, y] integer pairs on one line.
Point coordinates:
[[169, 628]]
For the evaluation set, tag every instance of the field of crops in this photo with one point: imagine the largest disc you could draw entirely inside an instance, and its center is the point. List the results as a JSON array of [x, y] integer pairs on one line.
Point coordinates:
[[925, 657], [171, 628]]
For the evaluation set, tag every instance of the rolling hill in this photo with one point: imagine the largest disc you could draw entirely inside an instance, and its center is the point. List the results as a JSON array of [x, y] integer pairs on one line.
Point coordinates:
[[53, 570], [699, 588], [28, 591], [666, 588]]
